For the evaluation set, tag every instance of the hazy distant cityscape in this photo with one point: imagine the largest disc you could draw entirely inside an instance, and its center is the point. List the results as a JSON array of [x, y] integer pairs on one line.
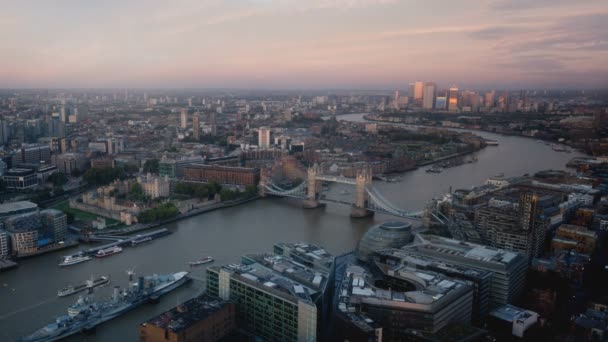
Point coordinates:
[[325, 170]]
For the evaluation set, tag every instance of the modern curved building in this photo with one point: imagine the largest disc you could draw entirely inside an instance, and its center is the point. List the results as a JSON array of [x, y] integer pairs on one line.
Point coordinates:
[[390, 234]]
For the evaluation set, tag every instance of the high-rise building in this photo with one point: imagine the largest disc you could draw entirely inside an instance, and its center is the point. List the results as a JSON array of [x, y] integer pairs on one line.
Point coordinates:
[[64, 117], [196, 127], [55, 222], [453, 99], [277, 298], [4, 246], [418, 92], [33, 154], [396, 100], [263, 137], [489, 99], [520, 227], [428, 95], [184, 118]]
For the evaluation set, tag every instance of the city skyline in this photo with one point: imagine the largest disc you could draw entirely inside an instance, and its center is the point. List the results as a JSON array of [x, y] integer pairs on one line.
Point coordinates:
[[263, 44]]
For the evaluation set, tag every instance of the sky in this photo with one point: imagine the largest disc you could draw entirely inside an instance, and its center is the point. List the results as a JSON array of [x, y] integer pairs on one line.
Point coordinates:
[[303, 44]]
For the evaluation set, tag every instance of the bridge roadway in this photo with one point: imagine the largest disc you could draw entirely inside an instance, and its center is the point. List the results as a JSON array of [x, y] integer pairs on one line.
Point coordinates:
[[122, 240]]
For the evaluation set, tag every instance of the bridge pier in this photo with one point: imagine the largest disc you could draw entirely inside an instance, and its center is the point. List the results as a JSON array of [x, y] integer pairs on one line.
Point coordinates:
[[360, 212], [311, 204]]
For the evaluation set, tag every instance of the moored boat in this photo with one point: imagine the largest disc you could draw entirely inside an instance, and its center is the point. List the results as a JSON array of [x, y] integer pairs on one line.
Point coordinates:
[[74, 259], [89, 284], [102, 253], [201, 261]]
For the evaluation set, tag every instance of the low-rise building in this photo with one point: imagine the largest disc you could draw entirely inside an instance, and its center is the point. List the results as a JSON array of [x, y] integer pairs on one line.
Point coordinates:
[[572, 237], [20, 179], [222, 174], [402, 298], [508, 268], [511, 319], [68, 162], [153, 186], [202, 318]]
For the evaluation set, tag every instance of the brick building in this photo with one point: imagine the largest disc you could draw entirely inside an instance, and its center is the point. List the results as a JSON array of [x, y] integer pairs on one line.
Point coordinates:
[[222, 174], [203, 318]]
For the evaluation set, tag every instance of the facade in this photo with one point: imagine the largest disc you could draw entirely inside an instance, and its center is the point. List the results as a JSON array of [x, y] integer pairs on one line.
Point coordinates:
[[102, 163], [508, 268], [221, 174], [441, 102], [68, 162], [277, 298], [196, 127], [24, 232], [4, 245], [184, 118], [174, 168], [400, 298], [20, 178], [519, 227], [153, 186], [428, 97], [55, 222], [202, 318], [453, 99], [577, 238], [264, 137], [33, 154]]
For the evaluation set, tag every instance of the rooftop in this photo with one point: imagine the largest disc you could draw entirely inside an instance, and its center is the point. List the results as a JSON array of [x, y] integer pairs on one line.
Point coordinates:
[[451, 247], [188, 313], [430, 288], [510, 313], [282, 274], [6, 208]]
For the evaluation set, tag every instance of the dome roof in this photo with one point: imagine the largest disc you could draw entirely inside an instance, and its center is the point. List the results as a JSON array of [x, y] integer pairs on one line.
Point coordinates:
[[390, 234]]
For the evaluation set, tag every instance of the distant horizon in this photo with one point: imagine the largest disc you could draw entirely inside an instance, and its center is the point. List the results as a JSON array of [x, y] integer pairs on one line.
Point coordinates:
[[401, 90], [313, 44]]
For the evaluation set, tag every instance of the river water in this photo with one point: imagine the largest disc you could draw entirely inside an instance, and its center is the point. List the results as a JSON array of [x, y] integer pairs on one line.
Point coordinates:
[[28, 294]]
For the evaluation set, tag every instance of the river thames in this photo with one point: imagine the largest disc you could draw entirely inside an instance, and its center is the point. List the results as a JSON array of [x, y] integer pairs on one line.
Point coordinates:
[[28, 294]]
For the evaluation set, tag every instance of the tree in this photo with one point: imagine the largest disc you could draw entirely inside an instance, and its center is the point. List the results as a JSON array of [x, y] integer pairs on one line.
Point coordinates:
[[137, 192], [58, 179], [151, 166]]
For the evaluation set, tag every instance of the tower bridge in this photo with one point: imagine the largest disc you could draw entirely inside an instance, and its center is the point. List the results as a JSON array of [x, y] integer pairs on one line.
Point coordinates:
[[366, 200]]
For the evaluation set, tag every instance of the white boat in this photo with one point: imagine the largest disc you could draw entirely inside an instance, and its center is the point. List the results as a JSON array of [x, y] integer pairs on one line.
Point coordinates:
[[201, 261], [74, 259], [108, 251]]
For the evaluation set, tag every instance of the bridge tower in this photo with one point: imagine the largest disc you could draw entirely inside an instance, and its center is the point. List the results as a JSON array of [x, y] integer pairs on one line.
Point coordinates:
[[312, 192], [362, 182], [262, 187]]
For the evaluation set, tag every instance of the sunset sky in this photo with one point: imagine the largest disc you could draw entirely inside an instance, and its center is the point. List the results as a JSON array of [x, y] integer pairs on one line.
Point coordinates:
[[372, 44]]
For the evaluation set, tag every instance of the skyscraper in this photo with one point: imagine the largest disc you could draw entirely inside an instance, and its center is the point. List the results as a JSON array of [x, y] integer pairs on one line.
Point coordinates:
[[196, 129], [184, 117], [418, 92], [264, 137], [396, 100], [428, 96], [453, 99]]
